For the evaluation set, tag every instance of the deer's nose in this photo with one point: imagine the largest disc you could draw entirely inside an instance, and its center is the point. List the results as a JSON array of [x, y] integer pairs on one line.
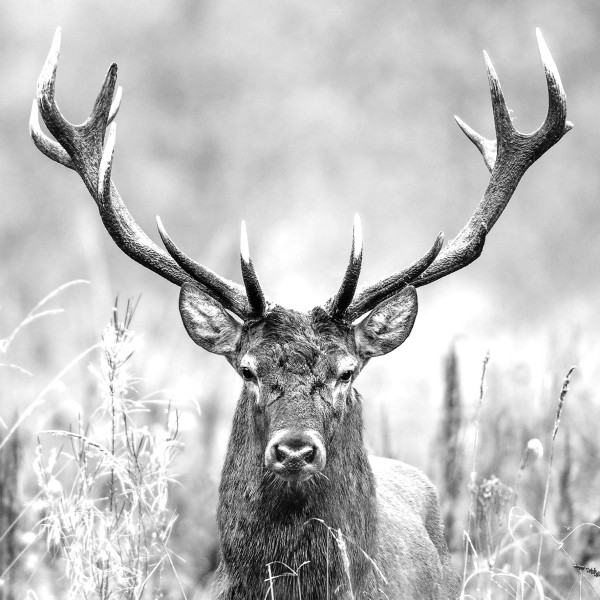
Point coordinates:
[[295, 455], [288, 454]]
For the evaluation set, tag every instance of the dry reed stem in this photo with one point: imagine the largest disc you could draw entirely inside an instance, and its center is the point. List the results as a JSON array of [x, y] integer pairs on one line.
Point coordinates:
[[486, 359], [559, 408]]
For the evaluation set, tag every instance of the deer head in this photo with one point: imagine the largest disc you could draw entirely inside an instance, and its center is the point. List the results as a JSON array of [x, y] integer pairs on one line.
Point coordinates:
[[297, 369]]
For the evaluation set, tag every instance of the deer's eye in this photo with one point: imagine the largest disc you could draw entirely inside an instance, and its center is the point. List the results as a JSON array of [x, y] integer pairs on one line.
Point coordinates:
[[346, 376], [248, 374]]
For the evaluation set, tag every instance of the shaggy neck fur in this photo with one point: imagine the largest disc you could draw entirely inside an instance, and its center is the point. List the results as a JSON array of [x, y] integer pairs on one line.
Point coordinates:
[[266, 521]]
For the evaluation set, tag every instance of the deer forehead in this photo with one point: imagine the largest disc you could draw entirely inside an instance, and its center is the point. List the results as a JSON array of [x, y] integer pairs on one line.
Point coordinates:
[[297, 343]]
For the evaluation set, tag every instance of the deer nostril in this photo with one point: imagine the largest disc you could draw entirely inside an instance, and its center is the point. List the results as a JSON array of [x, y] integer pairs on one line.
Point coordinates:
[[307, 453], [281, 452]]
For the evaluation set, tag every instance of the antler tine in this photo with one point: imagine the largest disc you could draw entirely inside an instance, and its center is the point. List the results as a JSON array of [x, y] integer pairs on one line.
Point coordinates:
[[46, 105], [505, 131], [256, 298], [230, 294], [80, 147], [487, 147], [557, 100], [370, 296], [105, 108], [43, 143], [338, 305], [51, 115]]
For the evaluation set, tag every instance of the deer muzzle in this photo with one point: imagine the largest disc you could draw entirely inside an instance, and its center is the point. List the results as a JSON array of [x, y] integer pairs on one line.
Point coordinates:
[[295, 455]]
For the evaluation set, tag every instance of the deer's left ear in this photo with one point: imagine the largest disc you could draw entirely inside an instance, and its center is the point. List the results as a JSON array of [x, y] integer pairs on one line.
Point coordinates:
[[208, 323], [388, 325]]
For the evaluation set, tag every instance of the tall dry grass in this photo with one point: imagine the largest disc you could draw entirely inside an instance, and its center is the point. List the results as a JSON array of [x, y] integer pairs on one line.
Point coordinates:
[[87, 504], [105, 501], [99, 522], [511, 550]]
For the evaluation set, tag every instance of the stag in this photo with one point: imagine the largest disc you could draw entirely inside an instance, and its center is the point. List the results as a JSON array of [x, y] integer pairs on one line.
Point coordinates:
[[303, 511]]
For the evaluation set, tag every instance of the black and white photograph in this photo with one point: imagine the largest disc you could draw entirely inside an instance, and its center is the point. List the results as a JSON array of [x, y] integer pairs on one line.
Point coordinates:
[[299, 300]]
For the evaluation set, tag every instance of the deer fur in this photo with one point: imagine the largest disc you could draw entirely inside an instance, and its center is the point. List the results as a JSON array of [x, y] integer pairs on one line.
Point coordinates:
[[383, 512]]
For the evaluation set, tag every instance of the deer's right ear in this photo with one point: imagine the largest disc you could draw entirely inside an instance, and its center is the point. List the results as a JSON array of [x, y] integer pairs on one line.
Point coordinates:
[[388, 325], [207, 323]]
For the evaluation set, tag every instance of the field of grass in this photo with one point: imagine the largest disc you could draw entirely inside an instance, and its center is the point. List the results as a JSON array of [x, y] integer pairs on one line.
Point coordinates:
[[101, 494]]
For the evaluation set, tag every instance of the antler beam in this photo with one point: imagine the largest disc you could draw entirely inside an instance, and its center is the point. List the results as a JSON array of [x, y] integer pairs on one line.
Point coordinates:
[[80, 147], [507, 157]]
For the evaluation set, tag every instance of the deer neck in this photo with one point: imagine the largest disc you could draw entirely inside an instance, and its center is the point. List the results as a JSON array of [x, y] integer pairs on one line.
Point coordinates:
[[263, 520]]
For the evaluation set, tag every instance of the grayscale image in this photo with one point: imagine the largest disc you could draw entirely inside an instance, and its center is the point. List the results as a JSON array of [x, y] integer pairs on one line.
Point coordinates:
[[299, 300]]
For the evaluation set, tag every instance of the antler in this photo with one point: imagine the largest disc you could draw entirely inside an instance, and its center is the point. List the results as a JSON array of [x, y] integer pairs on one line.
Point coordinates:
[[80, 147], [341, 301], [507, 158]]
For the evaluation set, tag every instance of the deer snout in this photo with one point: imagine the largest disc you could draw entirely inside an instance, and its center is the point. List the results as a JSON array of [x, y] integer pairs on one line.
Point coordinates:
[[295, 455]]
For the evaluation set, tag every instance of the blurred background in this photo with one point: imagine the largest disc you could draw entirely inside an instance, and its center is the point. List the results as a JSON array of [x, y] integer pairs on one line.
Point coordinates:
[[294, 115]]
